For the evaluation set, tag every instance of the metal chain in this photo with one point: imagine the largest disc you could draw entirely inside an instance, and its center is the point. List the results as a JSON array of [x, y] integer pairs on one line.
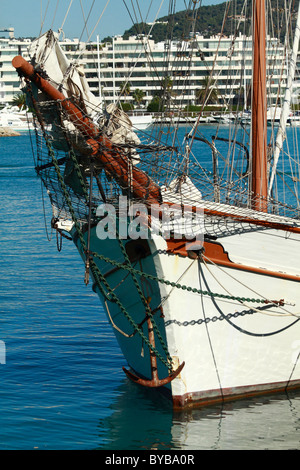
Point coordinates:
[[144, 300], [213, 319], [175, 284], [98, 276]]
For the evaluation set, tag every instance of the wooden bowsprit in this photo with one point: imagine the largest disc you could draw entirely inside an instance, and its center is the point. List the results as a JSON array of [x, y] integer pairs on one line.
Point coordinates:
[[114, 162]]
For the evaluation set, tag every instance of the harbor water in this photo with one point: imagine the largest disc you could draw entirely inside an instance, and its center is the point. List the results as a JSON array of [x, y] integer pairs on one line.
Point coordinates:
[[62, 384]]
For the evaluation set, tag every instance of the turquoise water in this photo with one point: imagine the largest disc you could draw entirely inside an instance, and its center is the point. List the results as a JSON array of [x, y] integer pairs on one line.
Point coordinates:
[[62, 384]]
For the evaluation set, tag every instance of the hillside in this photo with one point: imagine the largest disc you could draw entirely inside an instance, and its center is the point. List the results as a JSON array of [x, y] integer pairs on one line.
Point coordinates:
[[209, 21]]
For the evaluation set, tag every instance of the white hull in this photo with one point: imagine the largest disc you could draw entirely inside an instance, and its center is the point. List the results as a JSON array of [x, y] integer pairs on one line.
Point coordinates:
[[141, 121], [230, 347], [294, 121], [15, 122], [224, 357]]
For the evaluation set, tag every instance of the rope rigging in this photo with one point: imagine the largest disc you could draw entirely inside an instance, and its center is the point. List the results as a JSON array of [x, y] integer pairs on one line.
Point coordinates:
[[232, 189]]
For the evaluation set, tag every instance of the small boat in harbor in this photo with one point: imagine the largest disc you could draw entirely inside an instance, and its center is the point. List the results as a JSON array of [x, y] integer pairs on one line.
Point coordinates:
[[140, 120], [15, 120]]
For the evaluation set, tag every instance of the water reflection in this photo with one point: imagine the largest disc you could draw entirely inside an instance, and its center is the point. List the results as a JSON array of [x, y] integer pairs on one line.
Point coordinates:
[[141, 420], [259, 423]]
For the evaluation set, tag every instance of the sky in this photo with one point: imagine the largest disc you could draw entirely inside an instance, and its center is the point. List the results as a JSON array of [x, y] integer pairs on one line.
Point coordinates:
[[107, 17]]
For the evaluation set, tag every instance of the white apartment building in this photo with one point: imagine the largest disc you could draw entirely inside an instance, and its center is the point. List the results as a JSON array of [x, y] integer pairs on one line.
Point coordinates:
[[145, 63], [9, 80], [186, 63]]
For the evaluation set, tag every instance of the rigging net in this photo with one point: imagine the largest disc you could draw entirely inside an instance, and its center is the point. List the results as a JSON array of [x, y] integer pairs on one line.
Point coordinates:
[[168, 151]]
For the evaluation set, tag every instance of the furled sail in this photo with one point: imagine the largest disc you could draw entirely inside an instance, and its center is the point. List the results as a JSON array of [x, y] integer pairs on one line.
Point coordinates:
[[69, 78], [49, 57]]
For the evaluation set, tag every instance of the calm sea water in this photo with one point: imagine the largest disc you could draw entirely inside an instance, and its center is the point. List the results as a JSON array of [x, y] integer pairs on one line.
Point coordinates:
[[62, 384]]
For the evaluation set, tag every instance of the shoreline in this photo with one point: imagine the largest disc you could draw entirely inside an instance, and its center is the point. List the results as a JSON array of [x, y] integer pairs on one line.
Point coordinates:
[[7, 132]]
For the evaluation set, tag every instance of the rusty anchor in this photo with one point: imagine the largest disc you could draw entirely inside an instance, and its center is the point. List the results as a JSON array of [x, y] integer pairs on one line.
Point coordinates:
[[155, 381]]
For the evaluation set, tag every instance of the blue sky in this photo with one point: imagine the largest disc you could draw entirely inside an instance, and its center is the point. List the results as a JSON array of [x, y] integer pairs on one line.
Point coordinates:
[[26, 16]]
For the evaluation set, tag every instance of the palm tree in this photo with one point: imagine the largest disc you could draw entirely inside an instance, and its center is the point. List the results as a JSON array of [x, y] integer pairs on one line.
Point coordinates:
[[138, 96], [124, 89], [19, 100], [166, 87], [208, 92]]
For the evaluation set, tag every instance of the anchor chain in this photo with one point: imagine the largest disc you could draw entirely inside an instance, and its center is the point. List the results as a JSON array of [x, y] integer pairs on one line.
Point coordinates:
[[99, 278]]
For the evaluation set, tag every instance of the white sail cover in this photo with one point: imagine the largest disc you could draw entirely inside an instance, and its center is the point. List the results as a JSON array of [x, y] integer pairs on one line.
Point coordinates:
[[47, 54], [69, 77]]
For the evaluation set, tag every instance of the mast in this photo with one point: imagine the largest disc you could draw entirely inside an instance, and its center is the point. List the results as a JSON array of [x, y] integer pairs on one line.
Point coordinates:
[[287, 101], [259, 110]]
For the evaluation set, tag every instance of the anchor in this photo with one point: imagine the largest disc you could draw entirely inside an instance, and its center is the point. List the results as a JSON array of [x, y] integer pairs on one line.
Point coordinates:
[[155, 381]]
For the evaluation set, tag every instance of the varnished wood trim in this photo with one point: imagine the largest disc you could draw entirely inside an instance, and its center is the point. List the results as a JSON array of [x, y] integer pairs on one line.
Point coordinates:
[[215, 254]]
